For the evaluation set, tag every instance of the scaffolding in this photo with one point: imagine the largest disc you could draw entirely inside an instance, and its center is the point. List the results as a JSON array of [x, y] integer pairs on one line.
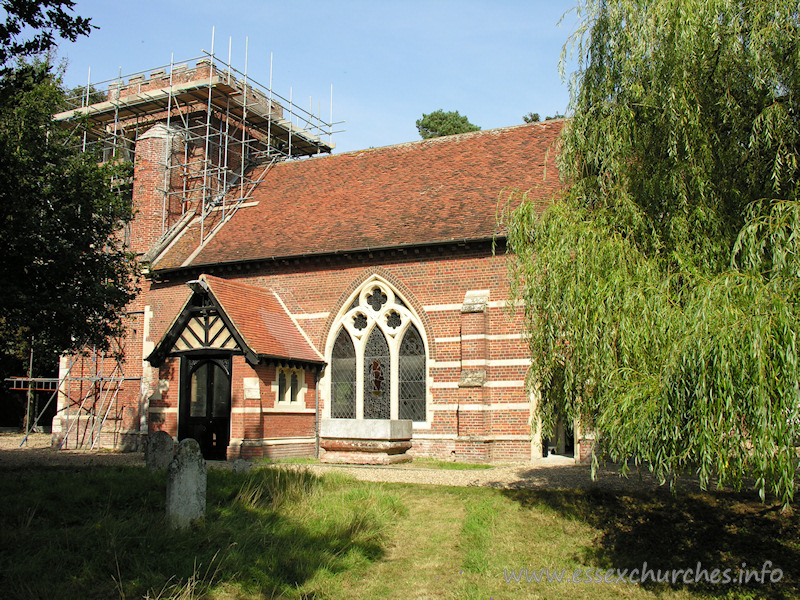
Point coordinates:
[[224, 130], [223, 133], [87, 393], [90, 401]]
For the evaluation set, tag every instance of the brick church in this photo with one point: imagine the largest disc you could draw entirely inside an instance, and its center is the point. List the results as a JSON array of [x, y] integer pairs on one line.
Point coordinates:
[[298, 302]]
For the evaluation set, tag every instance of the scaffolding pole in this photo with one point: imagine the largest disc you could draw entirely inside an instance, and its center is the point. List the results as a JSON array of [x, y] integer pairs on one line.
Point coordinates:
[[236, 108]]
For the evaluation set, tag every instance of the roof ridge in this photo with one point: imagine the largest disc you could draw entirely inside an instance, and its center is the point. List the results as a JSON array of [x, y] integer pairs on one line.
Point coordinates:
[[441, 139]]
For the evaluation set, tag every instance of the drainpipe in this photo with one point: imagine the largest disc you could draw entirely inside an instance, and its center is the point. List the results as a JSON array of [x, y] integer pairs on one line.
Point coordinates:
[[316, 412]]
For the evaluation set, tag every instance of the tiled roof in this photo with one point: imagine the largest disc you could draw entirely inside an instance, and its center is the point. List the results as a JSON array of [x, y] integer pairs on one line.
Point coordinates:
[[433, 191], [256, 318], [262, 321]]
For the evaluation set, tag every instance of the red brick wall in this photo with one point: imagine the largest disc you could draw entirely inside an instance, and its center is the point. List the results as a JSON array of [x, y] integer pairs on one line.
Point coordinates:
[[467, 423]]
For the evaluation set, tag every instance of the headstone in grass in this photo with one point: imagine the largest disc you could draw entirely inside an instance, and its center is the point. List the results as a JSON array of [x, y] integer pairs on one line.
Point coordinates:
[[241, 465], [159, 450], [186, 485]]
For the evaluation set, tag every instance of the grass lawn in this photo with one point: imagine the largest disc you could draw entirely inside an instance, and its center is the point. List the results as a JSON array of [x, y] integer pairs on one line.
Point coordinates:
[[272, 533]]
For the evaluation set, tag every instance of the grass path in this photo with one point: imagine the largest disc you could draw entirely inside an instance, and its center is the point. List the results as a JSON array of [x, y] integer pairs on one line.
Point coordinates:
[[454, 543], [99, 534], [460, 543], [423, 561]]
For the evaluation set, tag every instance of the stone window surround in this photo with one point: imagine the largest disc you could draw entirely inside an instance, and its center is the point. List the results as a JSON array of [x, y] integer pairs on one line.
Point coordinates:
[[394, 337], [288, 401]]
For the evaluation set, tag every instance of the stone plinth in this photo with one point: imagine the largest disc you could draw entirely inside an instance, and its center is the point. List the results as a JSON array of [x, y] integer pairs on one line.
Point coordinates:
[[365, 442]]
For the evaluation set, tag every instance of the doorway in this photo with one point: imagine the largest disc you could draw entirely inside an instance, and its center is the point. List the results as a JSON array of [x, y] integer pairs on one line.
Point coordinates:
[[205, 404]]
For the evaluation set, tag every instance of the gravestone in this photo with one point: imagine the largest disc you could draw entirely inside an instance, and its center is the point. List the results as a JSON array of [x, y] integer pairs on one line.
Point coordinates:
[[186, 485], [159, 450], [241, 465]]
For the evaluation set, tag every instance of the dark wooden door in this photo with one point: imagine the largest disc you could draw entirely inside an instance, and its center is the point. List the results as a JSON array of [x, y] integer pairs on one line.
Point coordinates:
[[205, 412]]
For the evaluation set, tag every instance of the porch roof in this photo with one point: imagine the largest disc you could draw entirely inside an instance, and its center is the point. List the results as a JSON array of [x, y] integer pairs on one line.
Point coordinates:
[[256, 318]]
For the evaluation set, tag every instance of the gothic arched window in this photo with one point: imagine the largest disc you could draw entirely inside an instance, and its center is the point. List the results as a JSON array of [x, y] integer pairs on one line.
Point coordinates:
[[377, 377], [412, 376], [378, 359], [343, 378]]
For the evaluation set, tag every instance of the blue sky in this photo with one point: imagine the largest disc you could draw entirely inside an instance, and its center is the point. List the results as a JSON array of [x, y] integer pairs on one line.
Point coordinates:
[[388, 61]]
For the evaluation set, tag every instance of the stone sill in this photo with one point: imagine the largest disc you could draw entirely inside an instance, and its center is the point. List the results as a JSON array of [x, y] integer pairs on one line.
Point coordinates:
[[299, 410]]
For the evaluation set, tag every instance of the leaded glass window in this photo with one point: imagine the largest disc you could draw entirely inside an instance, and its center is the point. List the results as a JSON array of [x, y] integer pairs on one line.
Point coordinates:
[[343, 377], [295, 386], [360, 322], [378, 366], [281, 385], [377, 377], [393, 319], [377, 299], [412, 376]]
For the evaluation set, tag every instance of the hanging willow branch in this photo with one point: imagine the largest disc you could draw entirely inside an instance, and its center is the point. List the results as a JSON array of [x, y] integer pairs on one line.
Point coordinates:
[[661, 290]]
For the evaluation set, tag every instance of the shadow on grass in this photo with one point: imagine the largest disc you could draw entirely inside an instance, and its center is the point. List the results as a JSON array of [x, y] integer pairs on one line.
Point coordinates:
[[669, 532], [101, 533]]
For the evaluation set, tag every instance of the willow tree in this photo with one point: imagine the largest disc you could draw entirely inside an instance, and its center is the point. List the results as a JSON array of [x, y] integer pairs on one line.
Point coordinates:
[[661, 289]]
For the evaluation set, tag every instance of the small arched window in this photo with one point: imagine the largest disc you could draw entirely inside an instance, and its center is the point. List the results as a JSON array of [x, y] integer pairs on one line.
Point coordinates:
[[412, 376], [289, 386], [343, 378]]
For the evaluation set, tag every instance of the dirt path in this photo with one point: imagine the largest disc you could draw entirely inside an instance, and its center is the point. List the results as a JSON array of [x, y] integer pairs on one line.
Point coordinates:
[[551, 473], [36, 451]]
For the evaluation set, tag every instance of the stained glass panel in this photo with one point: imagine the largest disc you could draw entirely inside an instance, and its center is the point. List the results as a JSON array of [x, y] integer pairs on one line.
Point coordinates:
[[377, 377], [393, 319], [360, 321], [377, 299], [343, 377]]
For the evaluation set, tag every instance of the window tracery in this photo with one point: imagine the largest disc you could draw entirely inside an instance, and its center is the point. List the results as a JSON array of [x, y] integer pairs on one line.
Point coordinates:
[[378, 359]]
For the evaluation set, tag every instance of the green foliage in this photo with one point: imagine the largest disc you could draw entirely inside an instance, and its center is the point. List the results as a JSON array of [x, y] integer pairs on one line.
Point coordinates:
[[266, 534], [439, 123], [80, 96], [685, 114], [43, 18], [533, 117], [661, 291], [67, 274]]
